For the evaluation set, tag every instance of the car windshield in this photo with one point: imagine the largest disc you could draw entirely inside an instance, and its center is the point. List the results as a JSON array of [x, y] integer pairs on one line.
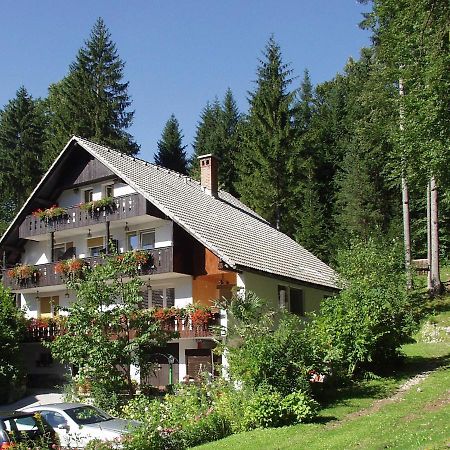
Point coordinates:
[[87, 414]]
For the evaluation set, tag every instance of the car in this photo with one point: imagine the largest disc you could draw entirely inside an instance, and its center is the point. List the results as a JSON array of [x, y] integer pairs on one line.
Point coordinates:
[[77, 423], [25, 427]]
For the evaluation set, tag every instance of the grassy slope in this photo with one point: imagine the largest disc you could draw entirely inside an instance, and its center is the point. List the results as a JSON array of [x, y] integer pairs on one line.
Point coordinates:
[[419, 420]]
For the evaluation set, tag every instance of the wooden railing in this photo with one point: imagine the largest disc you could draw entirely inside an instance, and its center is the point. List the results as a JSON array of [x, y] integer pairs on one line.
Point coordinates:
[[39, 330], [47, 276], [124, 207], [187, 329]]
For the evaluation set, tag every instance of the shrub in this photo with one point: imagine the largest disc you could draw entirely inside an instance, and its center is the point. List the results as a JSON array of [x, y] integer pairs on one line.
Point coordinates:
[[264, 410], [299, 407], [364, 325], [270, 353], [12, 330]]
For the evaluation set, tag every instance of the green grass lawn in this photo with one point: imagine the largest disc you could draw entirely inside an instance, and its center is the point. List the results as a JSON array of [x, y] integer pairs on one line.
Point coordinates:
[[357, 419]]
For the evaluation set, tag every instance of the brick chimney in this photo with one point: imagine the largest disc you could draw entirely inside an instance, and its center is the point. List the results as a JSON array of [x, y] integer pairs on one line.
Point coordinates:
[[209, 168]]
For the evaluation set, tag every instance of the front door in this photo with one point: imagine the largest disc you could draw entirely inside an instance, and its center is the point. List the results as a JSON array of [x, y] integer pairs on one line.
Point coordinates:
[[198, 362]]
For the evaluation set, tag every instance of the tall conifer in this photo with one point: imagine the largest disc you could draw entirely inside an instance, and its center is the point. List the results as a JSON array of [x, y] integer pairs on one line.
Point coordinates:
[[21, 151], [171, 153], [268, 141], [92, 100]]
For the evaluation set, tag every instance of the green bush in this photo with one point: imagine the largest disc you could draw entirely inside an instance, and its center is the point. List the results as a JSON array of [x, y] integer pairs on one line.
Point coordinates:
[[363, 327], [264, 410], [299, 407], [12, 330], [186, 418], [272, 351]]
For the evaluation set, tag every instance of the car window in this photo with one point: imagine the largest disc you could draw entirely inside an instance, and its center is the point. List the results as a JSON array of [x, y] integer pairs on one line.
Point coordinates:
[[24, 427], [54, 418], [87, 414]]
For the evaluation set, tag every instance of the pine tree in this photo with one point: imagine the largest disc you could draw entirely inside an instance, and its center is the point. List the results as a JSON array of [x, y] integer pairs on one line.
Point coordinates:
[[92, 100], [268, 141], [171, 153], [228, 151], [22, 123], [218, 133], [208, 136]]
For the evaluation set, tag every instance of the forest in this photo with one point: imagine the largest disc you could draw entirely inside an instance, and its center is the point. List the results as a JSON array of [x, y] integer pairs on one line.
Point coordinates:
[[361, 156]]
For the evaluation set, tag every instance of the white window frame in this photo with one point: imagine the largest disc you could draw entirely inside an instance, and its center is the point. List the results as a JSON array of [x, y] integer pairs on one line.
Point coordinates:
[[139, 234], [164, 289]]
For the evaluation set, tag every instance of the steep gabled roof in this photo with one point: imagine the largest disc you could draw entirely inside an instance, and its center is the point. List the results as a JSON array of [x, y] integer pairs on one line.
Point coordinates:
[[224, 225]]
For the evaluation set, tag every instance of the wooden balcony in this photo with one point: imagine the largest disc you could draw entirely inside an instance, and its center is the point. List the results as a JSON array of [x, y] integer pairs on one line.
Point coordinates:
[[40, 330], [187, 329], [124, 207], [47, 275]]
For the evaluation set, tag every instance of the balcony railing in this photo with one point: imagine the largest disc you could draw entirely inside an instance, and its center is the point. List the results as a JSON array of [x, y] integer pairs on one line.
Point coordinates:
[[46, 274], [187, 329], [39, 330], [124, 207]]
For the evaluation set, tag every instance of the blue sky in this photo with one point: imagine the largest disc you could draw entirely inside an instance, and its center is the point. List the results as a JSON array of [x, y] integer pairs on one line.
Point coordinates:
[[178, 53]]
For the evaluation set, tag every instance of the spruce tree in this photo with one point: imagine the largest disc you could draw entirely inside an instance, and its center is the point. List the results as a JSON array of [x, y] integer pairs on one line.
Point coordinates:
[[208, 136], [171, 151], [22, 123], [268, 141], [92, 100], [229, 148], [218, 133]]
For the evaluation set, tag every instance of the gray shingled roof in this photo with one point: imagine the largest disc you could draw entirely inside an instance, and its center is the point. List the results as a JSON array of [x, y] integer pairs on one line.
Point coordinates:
[[226, 226]]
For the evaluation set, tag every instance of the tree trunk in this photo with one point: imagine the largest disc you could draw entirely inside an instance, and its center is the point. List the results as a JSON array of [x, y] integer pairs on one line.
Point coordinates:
[[405, 203], [406, 232], [436, 285], [429, 286]]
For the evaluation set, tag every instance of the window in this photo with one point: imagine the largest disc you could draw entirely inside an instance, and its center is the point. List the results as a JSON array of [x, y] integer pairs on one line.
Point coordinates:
[[296, 302], [147, 239], [63, 251], [282, 296], [162, 298], [132, 241], [47, 307], [88, 195], [144, 240], [108, 190], [95, 246]]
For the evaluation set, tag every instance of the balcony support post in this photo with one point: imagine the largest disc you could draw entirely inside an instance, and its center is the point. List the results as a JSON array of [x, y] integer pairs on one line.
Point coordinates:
[[52, 243], [108, 237]]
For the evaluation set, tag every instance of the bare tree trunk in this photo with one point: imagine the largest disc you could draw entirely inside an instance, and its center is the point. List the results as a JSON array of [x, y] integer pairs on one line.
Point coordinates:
[[405, 204], [406, 232], [436, 285], [429, 286]]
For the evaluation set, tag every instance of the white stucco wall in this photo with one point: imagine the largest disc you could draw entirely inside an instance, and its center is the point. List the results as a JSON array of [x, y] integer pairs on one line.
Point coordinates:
[[122, 189], [183, 289], [164, 234], [30, 303], [69, 198], [267, 288], [37, 252]]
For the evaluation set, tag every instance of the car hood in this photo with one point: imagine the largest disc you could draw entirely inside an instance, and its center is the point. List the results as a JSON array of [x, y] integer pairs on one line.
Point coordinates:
[[113, 425]]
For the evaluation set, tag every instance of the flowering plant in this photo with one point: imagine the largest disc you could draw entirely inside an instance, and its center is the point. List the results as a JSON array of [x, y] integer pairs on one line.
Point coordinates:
[[50, 213], [23, 272], [72, 266], [200, 316], [96, 205], [137, 258]]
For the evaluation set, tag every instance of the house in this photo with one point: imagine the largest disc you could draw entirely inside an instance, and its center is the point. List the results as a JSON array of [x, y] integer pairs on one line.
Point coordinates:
[[203, 241]]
